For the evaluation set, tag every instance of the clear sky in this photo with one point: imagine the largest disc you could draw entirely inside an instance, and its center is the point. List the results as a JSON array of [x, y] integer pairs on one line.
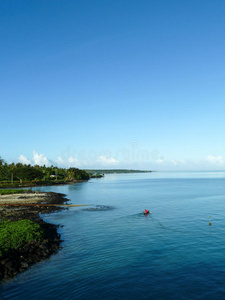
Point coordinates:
[[113, 83]]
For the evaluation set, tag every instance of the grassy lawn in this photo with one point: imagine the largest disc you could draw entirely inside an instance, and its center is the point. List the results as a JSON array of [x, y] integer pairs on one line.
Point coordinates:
[[11, 191], [15, 234]]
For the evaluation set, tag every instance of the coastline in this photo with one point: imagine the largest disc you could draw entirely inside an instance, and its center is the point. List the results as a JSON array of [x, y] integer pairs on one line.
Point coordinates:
[[39, 183], [19, 260]]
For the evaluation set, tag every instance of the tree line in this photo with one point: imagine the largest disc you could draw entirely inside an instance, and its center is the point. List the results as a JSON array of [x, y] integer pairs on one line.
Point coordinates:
[[22, 172]]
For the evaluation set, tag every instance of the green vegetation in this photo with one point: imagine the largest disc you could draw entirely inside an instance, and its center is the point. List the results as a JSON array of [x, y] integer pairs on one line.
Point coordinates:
[[17, 174], [96, 175], [11, 191], [74, 173], [15, 234]]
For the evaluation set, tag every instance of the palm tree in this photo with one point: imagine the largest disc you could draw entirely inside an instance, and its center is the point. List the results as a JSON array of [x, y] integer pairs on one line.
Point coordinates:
[[1, 161]]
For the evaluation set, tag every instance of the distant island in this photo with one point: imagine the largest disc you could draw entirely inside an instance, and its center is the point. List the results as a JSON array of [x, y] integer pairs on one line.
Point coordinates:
[[97, 173]]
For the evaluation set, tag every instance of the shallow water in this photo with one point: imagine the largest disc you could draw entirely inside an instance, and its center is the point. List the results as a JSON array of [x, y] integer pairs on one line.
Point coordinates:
[[111, 250]]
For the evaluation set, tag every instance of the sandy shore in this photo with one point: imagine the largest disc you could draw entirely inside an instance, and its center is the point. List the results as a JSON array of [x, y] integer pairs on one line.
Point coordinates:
[[18, 213], [24, 198], [41, 200]]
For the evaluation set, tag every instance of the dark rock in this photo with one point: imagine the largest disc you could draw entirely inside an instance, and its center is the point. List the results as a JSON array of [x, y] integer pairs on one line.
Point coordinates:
[[3, 261], [44, 253], [24, 265], [9, 265]]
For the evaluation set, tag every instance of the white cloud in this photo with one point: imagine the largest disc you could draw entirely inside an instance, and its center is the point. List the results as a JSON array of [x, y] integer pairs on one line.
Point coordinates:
[[70, 162], [73, 160], [24, 160], [160, 160], [40, 159], [216, 160], [177, 162], [107, 161], [209, 163], [159, 163], [60, 160]]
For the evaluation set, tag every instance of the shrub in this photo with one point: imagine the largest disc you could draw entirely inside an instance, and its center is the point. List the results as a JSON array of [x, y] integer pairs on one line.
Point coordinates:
[[11, 191], [15, 234]]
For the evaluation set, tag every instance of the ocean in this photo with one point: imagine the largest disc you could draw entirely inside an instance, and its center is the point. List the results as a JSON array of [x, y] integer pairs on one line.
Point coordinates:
[[111, 250]]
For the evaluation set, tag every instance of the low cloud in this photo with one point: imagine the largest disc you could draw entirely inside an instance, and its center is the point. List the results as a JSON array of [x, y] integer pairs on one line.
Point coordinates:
[[40, 159], [158, 163], [71, 161], [177, 162], [93, 162], [67, 163], [24, 160], [215, 160], [160, 160], [107, 161]]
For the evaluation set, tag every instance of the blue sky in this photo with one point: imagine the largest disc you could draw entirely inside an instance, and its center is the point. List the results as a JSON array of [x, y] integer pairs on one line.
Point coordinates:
[[122, 84]]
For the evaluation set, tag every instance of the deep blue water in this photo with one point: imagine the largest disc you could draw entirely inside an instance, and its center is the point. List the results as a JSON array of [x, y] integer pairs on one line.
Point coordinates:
[[119, 253]]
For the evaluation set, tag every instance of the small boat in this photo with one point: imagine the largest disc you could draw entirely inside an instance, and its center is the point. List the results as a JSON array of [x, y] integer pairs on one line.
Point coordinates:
[[146, 212]]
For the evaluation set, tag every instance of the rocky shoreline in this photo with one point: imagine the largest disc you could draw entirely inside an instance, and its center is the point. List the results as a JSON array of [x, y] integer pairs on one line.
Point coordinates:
[[19, 260]]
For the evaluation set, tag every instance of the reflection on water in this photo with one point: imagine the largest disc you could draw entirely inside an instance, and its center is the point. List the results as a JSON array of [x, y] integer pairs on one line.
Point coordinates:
[[117, 252]]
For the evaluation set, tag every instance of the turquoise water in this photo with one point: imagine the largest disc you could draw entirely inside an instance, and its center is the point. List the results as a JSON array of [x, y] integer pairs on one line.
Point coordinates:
[[118, 253]]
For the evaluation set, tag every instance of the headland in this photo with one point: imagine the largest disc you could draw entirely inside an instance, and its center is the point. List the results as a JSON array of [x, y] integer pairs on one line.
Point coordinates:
[[26, 222]]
